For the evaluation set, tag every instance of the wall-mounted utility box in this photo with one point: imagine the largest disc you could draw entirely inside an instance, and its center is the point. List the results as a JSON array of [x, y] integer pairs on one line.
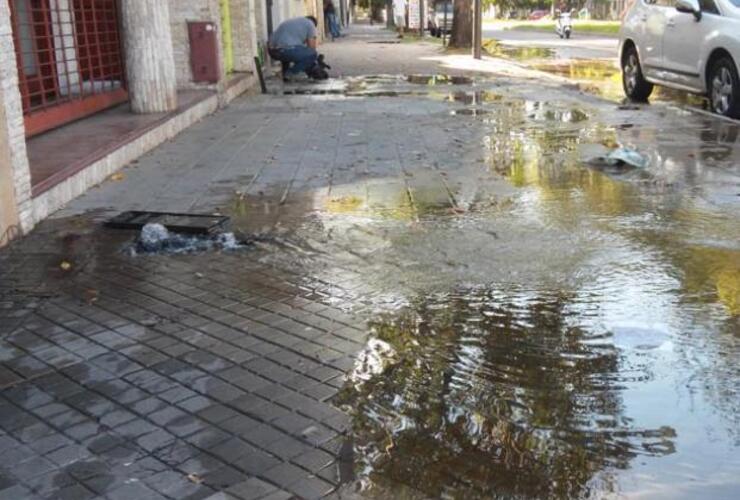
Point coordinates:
[[204, 52]]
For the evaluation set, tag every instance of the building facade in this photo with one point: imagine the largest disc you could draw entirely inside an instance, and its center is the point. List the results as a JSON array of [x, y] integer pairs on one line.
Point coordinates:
[[63, 62]]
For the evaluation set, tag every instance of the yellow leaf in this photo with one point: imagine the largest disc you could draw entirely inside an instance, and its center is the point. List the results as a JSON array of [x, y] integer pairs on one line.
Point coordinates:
[[65, 266], [118, 176], [195, 478]]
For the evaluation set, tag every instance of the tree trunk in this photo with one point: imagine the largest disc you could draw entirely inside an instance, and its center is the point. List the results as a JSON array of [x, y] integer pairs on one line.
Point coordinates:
[[150, 63], [462, 25]]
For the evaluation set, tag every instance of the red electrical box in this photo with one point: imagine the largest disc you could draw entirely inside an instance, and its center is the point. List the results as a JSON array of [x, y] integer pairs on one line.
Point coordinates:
[[204, 52]]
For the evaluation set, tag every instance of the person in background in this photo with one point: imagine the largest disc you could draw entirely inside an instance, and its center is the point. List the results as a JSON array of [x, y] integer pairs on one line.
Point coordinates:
[[294, 43], [330, 15]]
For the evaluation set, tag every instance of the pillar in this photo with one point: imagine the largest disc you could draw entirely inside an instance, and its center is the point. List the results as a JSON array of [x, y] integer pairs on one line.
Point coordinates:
[[15, 176], [244, 31], [150, 63]]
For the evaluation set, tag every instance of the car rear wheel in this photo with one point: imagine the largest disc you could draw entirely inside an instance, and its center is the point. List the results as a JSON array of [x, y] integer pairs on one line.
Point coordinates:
[[633, 81], [724, 88]]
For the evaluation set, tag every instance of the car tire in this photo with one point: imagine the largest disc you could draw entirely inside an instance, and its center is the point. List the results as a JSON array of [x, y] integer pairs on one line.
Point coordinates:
[[724, 88], [567, 35], [636, 88]]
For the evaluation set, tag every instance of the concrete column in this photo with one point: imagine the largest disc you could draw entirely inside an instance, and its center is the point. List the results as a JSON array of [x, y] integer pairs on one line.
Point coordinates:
[[150, 64], [16, 216]]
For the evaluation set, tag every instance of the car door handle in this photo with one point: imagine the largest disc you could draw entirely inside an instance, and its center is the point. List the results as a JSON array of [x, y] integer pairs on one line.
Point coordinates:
[[671, 24]]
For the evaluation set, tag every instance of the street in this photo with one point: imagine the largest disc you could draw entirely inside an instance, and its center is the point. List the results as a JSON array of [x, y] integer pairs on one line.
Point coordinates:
[[581, 46], [441, 290]]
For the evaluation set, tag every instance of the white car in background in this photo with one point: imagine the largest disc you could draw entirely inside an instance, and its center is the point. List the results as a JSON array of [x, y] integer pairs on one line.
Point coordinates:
[[691, 45]]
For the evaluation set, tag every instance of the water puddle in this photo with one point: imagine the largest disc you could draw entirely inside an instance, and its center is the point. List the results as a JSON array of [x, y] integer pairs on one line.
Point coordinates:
[[527, 339], [494, 391], [604, 78], [498, 49], [439, 80]]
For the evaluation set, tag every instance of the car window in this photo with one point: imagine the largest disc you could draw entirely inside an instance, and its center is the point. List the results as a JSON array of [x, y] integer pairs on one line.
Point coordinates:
[[709, 6]]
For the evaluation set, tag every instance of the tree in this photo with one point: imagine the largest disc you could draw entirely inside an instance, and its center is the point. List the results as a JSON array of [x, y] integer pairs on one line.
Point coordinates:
[[462, 24]]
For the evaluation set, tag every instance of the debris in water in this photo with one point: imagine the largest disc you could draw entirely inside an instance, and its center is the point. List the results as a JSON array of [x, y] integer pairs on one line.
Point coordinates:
[[626, 156], [155, 238], [620, 157]]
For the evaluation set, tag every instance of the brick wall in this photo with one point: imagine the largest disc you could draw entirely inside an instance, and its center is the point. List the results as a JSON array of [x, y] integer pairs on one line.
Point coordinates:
[[15, 176]]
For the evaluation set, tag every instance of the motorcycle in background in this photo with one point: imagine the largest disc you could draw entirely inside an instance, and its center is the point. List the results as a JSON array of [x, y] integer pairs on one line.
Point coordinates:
[[564, 24]]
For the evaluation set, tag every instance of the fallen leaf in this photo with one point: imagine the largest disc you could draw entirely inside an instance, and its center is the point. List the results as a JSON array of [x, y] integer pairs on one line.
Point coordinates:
[[118, 176], [195, 478], [91, 295], [65, 266]]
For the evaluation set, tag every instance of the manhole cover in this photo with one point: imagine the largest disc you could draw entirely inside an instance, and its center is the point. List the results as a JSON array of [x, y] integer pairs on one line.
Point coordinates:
[[176, 222]]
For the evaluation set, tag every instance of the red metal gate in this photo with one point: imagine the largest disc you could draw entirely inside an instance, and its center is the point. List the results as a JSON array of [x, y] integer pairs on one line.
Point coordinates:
[[69, 58]]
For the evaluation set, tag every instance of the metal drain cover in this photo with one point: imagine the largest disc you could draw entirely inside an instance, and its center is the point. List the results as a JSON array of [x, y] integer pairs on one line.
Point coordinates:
[[176, 222]]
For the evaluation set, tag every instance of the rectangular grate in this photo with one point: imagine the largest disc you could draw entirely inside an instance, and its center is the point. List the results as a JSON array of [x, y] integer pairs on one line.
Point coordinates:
[[67, 52], [176, 222]]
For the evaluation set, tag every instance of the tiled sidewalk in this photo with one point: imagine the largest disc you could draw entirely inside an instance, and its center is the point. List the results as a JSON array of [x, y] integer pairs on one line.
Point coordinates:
[[170, 378]]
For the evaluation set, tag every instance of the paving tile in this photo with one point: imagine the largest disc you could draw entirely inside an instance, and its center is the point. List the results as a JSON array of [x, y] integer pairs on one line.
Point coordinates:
[[156, 440], [201, 464], [74, 492], [16, 492], [231, 450], [223, 478], [217, 413], [148, 405], [185, 425], [279, 495], [133, 491], [32, 468], [256, 462], [195, 404], [68, 455], [284, 474], [251, 489], [135, 428], [311, 487]]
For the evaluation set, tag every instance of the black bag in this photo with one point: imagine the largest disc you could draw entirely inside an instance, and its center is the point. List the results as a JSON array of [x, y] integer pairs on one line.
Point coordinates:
[[319, 70]]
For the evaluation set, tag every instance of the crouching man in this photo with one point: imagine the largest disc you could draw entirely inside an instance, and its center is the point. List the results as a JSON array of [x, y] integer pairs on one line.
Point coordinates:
[[293, 43]]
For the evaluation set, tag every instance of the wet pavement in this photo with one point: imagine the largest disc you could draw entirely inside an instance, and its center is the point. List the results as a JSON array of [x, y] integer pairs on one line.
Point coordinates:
[[590, 62], [441, 297]]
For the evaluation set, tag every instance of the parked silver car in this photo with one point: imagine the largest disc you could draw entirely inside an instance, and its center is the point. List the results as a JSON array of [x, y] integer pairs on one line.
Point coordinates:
[[436, 20], [691, 45]]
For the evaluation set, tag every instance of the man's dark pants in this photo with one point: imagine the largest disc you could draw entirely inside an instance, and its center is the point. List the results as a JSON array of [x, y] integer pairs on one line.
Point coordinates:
[[302, 58]]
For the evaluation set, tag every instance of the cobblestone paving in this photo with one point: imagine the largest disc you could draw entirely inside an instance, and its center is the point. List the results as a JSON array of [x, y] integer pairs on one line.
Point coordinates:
[[167, 378]]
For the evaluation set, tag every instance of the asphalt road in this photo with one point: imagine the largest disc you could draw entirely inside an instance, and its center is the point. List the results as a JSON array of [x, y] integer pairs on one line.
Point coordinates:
[[580, 46]]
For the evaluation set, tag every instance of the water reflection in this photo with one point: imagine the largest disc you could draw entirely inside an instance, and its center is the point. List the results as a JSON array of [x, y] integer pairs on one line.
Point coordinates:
[[484, 393], [498, 49], [604, 78]]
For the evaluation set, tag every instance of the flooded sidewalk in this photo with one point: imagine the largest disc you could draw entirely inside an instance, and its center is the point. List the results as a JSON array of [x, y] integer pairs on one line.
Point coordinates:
[[438, 293]]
